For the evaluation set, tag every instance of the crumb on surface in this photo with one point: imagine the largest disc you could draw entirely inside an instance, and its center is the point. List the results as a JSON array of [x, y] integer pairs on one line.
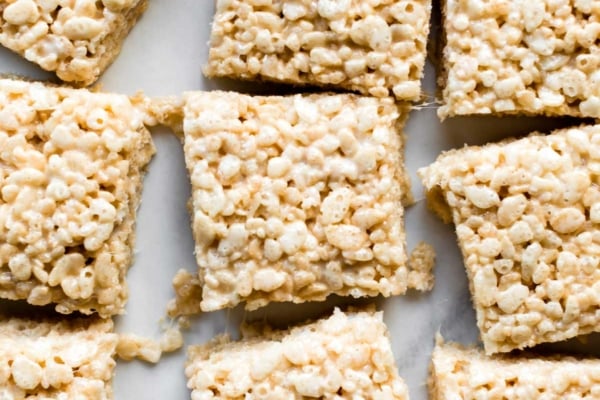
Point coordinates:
[[421, 262], [188, 294]]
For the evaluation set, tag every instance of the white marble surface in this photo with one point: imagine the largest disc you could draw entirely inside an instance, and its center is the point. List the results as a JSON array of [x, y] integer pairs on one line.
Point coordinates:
[[163, 55]]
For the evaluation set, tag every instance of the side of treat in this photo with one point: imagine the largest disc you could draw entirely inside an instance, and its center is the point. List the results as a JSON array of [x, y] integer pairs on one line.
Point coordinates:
[[526, 214], [457, 372], [345, 355], [374, 48], [297, 197], [72, 168], [521, 57], [77, 40], [46, 359]]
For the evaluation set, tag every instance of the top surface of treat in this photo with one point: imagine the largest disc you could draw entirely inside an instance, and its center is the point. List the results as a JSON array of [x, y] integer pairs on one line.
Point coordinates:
[[524, 56], [74, 38], [373, 47], [295, 198], [347, 355], [460, 373], [527, 216], [69, 175], [59, 360]]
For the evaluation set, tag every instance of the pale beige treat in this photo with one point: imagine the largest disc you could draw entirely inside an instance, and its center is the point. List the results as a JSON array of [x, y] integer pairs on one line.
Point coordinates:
[[467, 374], [347, 355], [295, 198], [71, 166], [70, 359], [372, 47], [76, 39], [521, 57], [527, 217]]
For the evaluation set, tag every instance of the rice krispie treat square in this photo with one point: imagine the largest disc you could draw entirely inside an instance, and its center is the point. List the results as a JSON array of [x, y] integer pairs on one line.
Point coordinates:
[[298, 197], [71, 166], [71, 359], [76, 39], [527, 216], [466, 373], [535, 57], [346, 355], [375, 48]]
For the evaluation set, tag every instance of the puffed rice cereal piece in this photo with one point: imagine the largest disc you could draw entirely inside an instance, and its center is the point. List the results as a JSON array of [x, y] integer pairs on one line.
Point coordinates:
[[466, 373], [526, 216], [70, 359], [346, 355], [296, 198], [71, 167], [534, 57], [76, 39], [372, 47]]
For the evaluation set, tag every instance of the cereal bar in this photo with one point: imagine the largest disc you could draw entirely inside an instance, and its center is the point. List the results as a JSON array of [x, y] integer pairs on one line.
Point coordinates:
[[461, 373], [71, 359], [298, 197], [347, 355], [77, 40], [372, 47], [71, 166], [527, 216], [535, 57]]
